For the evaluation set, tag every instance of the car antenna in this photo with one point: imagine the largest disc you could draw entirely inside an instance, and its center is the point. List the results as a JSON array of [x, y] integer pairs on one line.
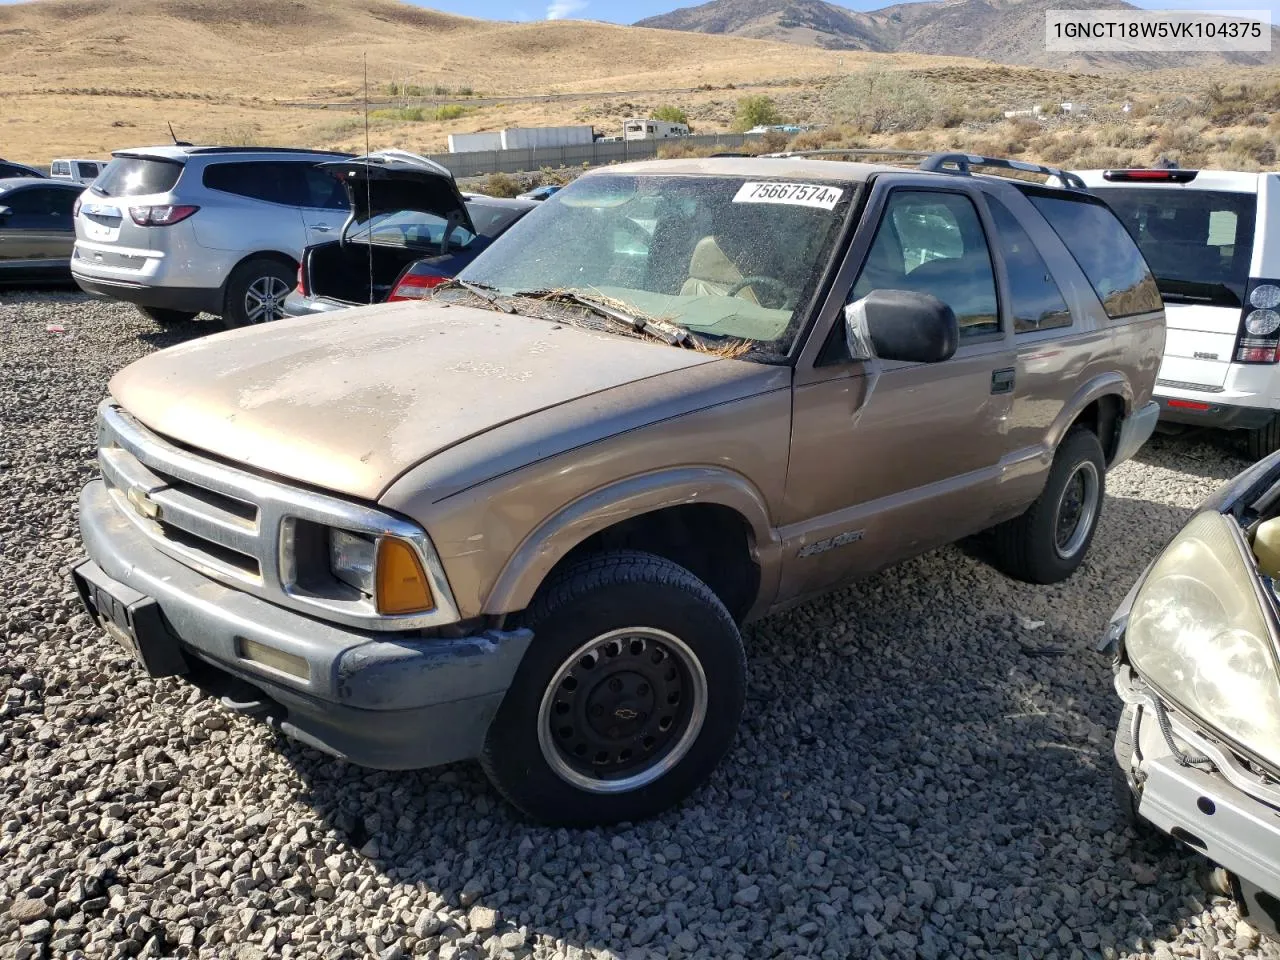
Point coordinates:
[[176, 141], [368, 175]]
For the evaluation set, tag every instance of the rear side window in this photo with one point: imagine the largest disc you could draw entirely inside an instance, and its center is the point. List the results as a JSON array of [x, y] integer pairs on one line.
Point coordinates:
[[60, 168], [137, 176], [274, 182], [1105, 251], [42, 202], [87, 169], [9, 170], [1199, 243], [1037, 302], [490, 221]]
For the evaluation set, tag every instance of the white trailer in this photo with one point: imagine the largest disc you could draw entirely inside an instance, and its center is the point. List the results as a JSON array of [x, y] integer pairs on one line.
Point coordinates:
[[473, 142], [639, 128], [524, 138]]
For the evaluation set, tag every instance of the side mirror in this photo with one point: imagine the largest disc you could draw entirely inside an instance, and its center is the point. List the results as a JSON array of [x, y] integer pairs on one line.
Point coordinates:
[[901, 325]]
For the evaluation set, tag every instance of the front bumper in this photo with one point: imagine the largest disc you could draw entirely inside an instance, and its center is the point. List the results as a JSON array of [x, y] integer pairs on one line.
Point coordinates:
[[390, 701], [1226, 813]]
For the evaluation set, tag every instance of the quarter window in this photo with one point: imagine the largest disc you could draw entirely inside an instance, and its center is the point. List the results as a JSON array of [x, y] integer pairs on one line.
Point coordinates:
[[1036, 301], [275, 181], [933, 242], [1105, 251]]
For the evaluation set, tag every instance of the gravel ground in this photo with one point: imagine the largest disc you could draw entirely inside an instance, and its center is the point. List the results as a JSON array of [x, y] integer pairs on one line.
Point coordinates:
[[922, 771]]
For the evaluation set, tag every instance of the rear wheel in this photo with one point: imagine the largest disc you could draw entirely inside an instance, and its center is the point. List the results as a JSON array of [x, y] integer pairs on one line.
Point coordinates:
[[1265, 440], [256, 291], [1049, 542], [627, 699], [166, 317]]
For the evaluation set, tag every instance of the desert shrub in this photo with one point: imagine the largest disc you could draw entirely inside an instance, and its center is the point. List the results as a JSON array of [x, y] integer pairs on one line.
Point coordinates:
[[402, 114], [757, 110], [501, 185], [1063, 150], [1180, 139], [1126, 137], [774, 141], [880, 101], [670, 113], [1251, 147], [1100, 158], [451, 112]]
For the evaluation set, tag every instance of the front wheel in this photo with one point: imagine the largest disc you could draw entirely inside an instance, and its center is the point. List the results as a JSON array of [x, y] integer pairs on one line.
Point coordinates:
[[1049, 542], [627, 699], [256, 291]]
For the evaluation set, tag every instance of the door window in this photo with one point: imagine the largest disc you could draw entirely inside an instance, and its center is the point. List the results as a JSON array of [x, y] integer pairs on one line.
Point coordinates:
[[323, 192], [275, 181], [87, 169], [60, 168], [1036, 301], [933, 242], [41, 202]]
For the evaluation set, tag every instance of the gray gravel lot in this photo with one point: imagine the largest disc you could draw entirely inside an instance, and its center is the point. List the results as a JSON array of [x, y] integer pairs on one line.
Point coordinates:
[[921, 773]]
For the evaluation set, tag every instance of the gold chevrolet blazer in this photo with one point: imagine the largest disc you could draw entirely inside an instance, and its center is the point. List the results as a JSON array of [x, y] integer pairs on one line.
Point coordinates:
[[525, 520]]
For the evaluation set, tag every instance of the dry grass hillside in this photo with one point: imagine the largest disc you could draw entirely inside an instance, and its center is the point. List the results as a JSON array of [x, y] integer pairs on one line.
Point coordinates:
[[86, 76]]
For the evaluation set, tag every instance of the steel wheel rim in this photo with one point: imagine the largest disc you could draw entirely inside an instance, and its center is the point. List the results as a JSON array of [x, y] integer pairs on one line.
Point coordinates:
[[576, 686], [1077, 508], [264, 299]]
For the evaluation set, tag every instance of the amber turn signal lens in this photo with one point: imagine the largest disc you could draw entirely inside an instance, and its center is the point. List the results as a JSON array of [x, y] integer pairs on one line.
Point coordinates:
[[401, 584]]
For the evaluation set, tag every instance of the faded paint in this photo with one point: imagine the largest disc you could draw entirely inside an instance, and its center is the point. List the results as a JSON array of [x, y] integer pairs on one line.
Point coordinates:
[[351, 402]]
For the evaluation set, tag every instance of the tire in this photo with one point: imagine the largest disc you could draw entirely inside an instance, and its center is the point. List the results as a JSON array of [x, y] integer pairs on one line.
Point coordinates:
[[1264, 441], [166, 318], [1032, 547], [546, 754], [255, 292], [1125, 799]]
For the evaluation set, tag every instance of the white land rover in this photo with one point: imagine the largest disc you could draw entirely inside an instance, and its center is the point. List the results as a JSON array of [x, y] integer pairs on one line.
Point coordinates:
[[1212, 239]]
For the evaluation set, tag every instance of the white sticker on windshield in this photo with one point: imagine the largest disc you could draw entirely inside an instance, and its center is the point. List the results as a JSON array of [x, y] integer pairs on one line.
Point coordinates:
[[797, 194]]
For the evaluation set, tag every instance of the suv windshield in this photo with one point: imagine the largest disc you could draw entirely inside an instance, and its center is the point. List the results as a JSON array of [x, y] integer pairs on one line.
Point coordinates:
[[721, 256], [1198, 243], [137, 176]]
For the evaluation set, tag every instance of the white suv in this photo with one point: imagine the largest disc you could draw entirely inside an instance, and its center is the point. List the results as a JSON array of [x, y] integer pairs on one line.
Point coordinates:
[[1212, 239], [181, 230]]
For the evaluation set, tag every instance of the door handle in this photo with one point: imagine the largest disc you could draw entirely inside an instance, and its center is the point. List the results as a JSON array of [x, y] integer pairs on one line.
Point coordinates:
[[1002, 380], [321, 228]]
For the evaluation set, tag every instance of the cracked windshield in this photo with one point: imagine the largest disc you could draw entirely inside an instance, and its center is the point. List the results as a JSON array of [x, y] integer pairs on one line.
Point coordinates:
[[722, 257]]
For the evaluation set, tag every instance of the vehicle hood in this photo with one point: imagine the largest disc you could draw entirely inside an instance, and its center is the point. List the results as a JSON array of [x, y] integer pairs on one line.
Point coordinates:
[[393, 180], [350, 401]]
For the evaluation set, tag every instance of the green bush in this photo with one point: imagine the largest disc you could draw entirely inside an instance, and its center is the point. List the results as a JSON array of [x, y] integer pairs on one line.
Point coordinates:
[[670, 113], [757, 111], [451, 112], [880, 101], [501, 185]]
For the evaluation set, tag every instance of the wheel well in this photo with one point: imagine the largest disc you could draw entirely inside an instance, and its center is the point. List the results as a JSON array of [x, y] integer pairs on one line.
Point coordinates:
[[1102, 416], [711, 541], [282, 258]]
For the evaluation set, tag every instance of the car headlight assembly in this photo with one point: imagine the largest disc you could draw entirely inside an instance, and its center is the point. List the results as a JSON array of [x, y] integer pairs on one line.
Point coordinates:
[[386, 569], [1198, 632]]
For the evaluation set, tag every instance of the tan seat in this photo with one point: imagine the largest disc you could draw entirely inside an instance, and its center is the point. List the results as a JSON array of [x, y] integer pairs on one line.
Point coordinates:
[[711, 273]]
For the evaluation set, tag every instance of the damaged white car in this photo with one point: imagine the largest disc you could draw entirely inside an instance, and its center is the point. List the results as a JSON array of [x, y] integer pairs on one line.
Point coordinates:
[[1197, 644]]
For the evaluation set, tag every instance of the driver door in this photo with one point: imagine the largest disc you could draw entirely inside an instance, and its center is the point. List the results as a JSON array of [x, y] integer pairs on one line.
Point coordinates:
[[890, 459]]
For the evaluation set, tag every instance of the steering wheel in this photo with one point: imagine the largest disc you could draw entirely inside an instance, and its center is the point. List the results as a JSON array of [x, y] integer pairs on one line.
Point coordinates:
[[770, 282]]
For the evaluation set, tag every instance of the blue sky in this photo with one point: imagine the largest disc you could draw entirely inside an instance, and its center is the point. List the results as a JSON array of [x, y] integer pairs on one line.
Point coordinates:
[[632, 10]]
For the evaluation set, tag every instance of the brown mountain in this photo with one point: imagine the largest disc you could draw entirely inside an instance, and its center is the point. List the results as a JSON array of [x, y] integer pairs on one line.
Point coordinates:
[[1004, 31]]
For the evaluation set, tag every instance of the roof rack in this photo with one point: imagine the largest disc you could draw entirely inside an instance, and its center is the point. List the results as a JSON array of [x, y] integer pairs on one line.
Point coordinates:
[[962, 162], [934, 162], [223, 149]]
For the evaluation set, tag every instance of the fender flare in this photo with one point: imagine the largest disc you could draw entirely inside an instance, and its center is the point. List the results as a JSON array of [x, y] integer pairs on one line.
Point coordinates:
[[605, 506], [1106, 384]]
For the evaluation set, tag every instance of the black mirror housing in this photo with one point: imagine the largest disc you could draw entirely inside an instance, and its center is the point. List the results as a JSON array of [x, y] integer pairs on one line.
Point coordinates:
[[901, 325]]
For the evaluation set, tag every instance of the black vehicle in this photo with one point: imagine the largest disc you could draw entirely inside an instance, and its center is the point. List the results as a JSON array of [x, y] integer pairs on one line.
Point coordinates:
[[9, 169], [37, 229], [410, 229]]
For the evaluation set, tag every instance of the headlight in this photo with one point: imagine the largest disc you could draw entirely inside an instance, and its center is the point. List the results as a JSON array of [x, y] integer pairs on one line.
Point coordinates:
[[1198, 632], [386, 569], [351, 558]]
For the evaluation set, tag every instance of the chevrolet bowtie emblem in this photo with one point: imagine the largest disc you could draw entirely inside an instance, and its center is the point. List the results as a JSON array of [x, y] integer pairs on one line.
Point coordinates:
[[625, 713], [141, 501]]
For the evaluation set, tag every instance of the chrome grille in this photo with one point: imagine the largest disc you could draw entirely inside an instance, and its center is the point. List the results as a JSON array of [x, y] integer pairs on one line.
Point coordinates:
[[241, 529]]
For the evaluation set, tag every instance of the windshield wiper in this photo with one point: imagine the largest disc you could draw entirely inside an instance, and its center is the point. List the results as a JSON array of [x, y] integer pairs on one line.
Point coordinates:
[[664, 330], [482, 290]]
